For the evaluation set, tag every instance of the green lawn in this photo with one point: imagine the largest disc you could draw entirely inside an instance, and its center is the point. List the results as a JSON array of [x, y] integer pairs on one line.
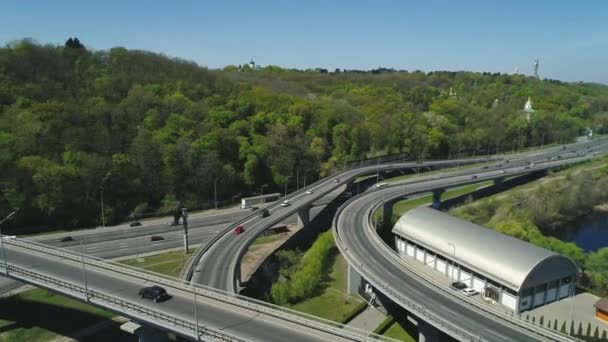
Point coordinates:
[[268, 239], [333, 303], [40, 315], [397, 332], [170, 263]]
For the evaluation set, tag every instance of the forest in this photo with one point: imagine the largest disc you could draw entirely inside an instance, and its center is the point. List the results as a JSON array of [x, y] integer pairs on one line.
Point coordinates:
[[144, 131]]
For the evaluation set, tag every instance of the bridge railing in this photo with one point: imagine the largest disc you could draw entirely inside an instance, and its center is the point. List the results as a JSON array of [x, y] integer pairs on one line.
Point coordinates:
[[282, 313], [121, 305]]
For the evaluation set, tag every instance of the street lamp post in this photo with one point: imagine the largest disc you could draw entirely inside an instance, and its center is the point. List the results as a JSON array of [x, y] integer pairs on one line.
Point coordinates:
[[286, 180], [305, 178], [84, 273], [195, 312], [215, 192], [262, 189], [453, 260], [103, 216], [8, 217]]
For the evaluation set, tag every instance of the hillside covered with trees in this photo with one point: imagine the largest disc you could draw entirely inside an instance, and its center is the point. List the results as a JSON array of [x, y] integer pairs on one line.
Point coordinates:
[[149, 130]]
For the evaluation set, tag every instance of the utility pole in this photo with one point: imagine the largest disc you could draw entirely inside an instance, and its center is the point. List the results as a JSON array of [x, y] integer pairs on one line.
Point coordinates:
[[453, 261], [195, 312], [286, 180], [215, 192], [8, 217], [103, 216], [185, 220], [84, 274]]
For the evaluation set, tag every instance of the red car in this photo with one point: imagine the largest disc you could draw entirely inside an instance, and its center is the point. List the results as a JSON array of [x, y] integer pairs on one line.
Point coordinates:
[[238, 230]]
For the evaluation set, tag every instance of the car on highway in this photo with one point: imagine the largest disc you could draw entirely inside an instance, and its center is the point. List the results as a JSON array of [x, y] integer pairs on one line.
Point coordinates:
[[485, 167], [135, 224], [337, 180], [503, 171], [254, 208], [156, 238], [239, 230], [381, 185], [264, 213], [285, 203], [469, 292], [457, 285], [527, 168], [309, 192], [474, 177], [155, 293], [66, 239]]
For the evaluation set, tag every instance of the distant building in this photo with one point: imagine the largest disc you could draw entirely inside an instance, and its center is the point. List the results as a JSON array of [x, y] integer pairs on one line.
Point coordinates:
[[601, 309], [505, 270], [528, 110], [252, 64]]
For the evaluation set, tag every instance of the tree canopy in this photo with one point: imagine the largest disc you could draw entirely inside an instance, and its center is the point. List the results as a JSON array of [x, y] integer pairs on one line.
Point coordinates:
[[145, 128]]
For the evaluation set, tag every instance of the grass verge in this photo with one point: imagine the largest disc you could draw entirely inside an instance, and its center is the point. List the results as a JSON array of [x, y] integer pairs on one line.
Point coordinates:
[[333, 303], [170, 263], [40, 315], [397, 332]]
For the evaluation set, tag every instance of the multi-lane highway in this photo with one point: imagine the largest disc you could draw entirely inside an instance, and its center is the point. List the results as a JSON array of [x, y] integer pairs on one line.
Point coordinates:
[[115, 287], [219, 265], [360, 244]]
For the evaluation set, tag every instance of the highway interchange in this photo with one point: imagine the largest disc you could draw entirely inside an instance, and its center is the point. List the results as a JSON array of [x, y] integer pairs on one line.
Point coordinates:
[[224, 276]]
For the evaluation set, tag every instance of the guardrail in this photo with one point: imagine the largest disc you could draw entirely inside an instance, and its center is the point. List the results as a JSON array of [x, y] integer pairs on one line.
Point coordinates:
[[303, 319], [125, 307], [420, 310]]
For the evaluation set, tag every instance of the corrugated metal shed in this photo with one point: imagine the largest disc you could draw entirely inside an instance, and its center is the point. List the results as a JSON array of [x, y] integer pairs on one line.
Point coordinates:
[[512, 262]]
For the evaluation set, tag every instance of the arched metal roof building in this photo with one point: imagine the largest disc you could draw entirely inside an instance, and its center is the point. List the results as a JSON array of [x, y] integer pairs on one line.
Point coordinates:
[[510, 262]]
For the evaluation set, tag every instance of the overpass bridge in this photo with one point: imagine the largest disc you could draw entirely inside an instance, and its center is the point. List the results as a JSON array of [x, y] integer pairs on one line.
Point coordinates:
[[429, 302]]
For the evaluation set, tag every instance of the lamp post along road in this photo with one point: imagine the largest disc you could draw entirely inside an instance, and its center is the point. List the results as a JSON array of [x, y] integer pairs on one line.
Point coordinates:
[[262, 189], [103, 216], [215, 192], [84, 273], [453, 261], [286, 180], [8, 217]]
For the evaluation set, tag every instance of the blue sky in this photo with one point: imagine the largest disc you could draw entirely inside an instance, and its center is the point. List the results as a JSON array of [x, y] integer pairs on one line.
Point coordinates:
[[569, 37]]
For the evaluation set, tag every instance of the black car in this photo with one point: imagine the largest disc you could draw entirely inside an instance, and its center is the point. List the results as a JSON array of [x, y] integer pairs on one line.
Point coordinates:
[[156, 238], [458, 285], [135, 224], [264, 213], [156, 293], [66, 239], [474, 177]]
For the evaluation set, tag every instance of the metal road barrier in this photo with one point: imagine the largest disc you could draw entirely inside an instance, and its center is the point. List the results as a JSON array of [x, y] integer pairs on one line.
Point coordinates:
[[303, 319]]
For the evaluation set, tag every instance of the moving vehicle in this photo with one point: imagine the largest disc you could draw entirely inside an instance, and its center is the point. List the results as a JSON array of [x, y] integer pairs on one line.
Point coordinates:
[[381, 185], [503, 171], [469, 292], [66, 239], [337, 180], [135, 224], [248, 202], [309, 192], [239, 230], [474, 177], [156, 238], [457, 285], [285, 203], [155, 293], [264, 213]]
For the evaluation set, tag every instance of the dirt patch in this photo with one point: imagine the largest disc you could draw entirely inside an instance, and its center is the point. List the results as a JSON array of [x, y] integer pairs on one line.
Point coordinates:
[[256, 254]]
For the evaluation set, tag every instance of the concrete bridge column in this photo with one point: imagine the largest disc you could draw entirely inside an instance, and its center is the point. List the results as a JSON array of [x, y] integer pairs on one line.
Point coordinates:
[[387, 212], [498, 182], [437, 198], [426, 332], [353, 281], [145, 333], [303, 217]]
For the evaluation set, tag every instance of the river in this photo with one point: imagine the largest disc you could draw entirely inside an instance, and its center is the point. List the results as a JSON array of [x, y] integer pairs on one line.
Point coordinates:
[[589, 233]]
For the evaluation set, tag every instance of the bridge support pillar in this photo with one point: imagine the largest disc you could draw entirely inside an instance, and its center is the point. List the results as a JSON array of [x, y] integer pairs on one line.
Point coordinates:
[[387, 210], [498, 182], [437, 198], [353, 281], [145, 333], [426, 332], [303, 217]]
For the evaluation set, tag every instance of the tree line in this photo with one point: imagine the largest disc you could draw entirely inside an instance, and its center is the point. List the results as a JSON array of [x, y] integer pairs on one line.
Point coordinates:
[[144, 130]]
